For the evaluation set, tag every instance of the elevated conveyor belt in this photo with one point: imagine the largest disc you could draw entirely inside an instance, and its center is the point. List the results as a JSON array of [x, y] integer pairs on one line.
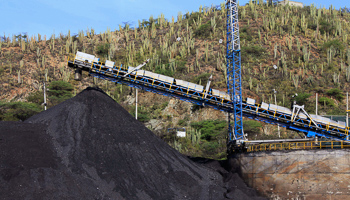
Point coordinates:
[[208, 98]]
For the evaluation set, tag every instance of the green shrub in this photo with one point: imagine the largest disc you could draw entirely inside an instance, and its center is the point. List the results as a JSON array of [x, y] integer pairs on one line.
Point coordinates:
[[15, 111], [211, 129], [251, 127], [336, 93], [201, 78], [36, 97], [301, 99], [59, 91], [142, 113], [256, 51], [326, 27], [102, 49], [336, 44], [326, 101], [164, 70], [204, 30], [246, 34]]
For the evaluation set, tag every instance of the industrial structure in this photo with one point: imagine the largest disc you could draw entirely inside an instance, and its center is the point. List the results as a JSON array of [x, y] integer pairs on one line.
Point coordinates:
[[231, 102]]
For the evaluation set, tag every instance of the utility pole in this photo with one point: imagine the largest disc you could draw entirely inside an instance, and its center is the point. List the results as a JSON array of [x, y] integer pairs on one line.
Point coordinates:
[[278, 127], [347, 108], [316, 102], [45, 95], [136, 105]]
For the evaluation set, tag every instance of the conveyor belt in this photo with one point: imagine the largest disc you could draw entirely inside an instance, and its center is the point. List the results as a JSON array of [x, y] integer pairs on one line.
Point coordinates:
[[252, 111]]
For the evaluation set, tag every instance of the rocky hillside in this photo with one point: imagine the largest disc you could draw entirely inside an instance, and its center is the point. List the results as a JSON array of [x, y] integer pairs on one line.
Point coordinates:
[[309, 46]]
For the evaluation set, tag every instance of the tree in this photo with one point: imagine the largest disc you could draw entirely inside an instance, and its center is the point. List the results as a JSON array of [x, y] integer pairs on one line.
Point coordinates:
[[59, 91]]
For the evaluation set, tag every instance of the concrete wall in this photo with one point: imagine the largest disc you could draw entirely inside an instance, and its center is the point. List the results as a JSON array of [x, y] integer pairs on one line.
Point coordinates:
[[314, 174]]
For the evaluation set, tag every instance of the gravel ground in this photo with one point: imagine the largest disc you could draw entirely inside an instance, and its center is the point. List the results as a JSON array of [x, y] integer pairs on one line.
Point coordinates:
[[89, 147]]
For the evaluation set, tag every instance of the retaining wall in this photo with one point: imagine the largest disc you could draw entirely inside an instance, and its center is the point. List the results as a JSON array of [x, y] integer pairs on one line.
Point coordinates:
[[301, 174]]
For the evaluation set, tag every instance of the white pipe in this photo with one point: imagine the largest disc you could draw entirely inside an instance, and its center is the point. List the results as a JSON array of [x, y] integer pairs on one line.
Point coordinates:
[[44, 95], [347, 108], [136, 105], [316, 103]]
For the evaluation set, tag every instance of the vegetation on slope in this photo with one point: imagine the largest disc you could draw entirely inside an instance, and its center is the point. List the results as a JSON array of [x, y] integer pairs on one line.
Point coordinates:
[[309, 46]]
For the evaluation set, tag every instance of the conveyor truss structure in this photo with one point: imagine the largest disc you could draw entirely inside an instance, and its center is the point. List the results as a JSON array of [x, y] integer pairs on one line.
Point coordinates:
[[296, 119]]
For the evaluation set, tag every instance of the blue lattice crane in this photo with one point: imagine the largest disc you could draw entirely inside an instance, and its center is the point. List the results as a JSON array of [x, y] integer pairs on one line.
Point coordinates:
[[234, 77]]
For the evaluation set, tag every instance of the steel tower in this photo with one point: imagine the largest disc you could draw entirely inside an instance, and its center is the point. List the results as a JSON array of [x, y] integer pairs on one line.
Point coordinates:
[[234, 77]]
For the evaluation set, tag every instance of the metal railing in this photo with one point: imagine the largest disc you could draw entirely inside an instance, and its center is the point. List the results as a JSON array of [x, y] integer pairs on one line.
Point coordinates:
[[299, 146]]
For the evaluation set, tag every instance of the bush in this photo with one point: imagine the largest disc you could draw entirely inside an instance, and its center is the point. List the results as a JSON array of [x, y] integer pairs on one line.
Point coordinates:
[[336, 44], [201, 78], [102, 49], [301, 99], [204, 30], [15, 111], [142, 113], [326, 101], [36, 97], [251, 127], [326, 27], [336, 93], [256, 51], [211, 129], [59, 91]]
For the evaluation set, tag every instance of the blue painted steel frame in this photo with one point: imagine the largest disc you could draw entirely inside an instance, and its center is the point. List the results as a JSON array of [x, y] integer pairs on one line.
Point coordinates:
[[234, 76]]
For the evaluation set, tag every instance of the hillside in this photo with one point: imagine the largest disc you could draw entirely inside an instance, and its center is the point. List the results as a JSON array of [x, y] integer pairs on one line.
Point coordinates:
[[309, 46]]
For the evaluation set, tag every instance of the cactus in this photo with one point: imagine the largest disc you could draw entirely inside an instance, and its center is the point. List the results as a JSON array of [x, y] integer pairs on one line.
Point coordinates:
[[298, 44], [19, 76], [21, 63], [135, 31], [206, 52], [43, 62], [23, 45], [315, 69], [250, 83], [295, 80], [290, 43], [179, 17], [305, 54], [336, 78], [46, 73], [347, 74], [213, 24], [275, 51]]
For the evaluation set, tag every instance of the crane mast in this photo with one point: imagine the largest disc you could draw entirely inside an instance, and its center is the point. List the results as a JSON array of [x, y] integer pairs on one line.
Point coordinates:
[[234, 76]]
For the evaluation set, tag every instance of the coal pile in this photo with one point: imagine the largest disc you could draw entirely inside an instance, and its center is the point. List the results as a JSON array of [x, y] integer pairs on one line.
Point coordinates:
[[89, 147]]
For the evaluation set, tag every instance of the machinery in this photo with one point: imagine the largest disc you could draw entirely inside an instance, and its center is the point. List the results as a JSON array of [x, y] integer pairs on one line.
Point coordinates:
[[296, 119], [230, 102]]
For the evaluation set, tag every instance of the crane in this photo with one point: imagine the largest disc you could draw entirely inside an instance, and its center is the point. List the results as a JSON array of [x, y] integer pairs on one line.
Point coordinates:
[[234, 76]]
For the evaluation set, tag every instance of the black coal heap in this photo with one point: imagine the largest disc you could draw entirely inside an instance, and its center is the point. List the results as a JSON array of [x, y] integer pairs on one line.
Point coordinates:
[[89, 147]]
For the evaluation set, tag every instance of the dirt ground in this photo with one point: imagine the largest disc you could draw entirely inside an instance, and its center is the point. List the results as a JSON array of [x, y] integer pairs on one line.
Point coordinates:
[[89, 147]]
